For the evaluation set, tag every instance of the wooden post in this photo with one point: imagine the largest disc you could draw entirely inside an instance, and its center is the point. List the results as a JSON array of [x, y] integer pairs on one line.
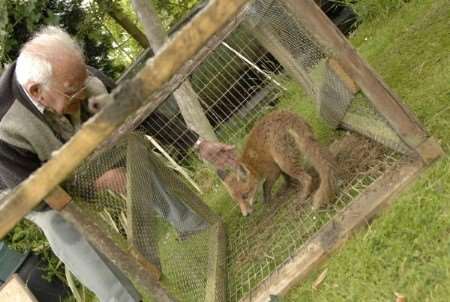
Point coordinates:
[[216, 279], [335, 45], [126, 100], [127, 260], [268, 40], [185, 96], [15, 290]]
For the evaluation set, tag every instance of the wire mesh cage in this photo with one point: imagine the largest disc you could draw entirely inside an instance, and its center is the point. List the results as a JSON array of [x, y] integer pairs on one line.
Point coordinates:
[[140, 202], [144, 204], [234, 83]]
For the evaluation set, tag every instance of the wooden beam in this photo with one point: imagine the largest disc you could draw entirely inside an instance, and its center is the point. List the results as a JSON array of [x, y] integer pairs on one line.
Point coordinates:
[[58, 198], [333, 42], [331, 236], [127, 260], [216, 278], [127, 100], [15, 290]]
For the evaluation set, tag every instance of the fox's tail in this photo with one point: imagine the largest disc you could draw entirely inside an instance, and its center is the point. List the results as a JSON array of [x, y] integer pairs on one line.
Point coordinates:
[[322, 161]]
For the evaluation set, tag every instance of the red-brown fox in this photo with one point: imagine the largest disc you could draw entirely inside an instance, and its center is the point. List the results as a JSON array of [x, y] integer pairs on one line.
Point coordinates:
[[280, 143]]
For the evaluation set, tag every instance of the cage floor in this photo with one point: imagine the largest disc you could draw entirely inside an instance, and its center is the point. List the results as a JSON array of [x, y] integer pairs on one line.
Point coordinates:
[[272, 235]]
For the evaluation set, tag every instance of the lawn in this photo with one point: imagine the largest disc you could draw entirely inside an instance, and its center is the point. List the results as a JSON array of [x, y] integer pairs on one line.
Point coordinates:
[[407, 249]]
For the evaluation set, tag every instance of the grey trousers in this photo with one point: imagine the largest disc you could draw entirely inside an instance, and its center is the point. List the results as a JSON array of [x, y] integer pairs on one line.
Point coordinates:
[[90, 267]]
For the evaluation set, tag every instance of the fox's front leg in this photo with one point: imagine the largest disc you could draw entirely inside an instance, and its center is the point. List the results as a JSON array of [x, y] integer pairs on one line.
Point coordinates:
[[268, 185]]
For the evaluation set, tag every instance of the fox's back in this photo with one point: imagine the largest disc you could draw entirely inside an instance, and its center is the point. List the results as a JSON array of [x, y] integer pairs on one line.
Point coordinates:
[[269, 136]]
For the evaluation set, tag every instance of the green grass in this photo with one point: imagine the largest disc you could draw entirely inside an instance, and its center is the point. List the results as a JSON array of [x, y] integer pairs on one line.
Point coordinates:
[[407, 250]]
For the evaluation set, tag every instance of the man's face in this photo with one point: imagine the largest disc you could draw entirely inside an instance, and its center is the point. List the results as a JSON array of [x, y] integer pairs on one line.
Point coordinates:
[[65, 91]]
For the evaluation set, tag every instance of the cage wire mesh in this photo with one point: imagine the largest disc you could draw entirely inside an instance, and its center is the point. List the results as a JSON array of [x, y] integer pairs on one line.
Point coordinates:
[[234, 84], [318, 72], [258, 247], [144, 201], [139, 201]]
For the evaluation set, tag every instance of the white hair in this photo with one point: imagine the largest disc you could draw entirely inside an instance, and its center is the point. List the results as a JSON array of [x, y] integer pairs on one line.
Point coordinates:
[[34, 61]]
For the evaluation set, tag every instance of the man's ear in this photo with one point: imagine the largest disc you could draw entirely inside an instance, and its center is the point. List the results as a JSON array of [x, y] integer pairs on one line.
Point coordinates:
[[35, 90]]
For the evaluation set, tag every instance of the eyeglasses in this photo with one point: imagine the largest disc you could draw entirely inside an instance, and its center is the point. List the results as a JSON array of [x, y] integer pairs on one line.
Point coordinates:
[[74, 96]]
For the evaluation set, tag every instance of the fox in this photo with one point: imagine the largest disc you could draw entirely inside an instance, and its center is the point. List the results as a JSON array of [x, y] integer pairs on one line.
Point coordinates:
[[280, 143]]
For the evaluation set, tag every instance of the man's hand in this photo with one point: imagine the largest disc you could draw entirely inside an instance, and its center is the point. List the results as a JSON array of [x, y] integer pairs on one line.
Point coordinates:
[[221, 156], [114, 180]]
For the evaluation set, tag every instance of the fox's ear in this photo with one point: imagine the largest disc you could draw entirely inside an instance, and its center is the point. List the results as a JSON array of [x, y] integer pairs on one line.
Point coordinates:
[[242, 172]]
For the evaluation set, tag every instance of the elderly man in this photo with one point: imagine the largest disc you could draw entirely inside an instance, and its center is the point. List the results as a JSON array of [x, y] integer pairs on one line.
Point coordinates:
[[42, 102]]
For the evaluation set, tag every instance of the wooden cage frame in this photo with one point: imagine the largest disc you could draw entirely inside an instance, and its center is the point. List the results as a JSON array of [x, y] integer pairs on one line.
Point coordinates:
[[135, 99]]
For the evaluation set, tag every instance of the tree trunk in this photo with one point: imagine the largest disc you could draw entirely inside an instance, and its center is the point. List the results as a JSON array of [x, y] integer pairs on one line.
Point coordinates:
[[122, 19], [185, 96]]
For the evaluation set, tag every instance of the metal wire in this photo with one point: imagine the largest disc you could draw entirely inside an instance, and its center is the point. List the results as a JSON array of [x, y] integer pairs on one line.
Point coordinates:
[[235, 84]]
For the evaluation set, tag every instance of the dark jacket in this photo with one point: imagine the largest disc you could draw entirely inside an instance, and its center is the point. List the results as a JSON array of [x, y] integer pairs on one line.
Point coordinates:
[[27, 139]]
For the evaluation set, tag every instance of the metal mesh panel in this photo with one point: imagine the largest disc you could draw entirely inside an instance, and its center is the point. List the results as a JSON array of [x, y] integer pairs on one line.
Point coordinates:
[[319, 73], [362, 117], [142, 203], [234, 84], [260, 245], [307, 59]]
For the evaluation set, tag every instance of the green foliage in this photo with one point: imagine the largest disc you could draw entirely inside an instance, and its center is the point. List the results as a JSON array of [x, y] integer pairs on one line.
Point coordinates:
[[171, 11], [26, 237], [19, 19]]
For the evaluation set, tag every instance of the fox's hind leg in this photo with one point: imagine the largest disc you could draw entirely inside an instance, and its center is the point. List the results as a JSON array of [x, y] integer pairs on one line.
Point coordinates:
[[294, 170], [268, 184]]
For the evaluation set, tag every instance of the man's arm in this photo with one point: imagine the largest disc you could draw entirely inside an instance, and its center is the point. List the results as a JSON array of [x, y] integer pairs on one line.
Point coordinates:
[[16, 164]]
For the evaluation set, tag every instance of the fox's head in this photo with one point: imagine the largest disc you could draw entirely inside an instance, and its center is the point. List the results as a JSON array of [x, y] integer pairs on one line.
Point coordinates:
[[240, 183], [242, 186]]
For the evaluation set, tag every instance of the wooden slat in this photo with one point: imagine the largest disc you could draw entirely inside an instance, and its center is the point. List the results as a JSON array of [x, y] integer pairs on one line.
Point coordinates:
[[58, 198], [336, 46], [331, 236], [14, 290], [216, 279], [127, 260]]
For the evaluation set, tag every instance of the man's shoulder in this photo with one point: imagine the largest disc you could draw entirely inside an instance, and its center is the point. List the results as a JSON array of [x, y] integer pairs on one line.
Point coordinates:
[[21, 128]]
